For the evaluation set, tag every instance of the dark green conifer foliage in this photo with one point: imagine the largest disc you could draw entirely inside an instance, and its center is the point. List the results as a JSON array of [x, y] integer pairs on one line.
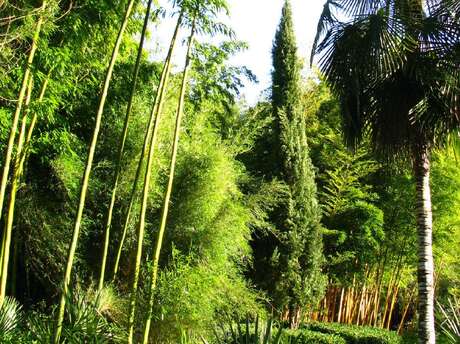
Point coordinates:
[[297, 258]]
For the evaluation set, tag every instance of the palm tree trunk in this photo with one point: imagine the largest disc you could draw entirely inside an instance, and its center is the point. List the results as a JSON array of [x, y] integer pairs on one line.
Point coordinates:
[[6, 245], [164, 215], [153, 118], [158, 106], [426, 330], [122, 146], [86, 175], [14, 126]]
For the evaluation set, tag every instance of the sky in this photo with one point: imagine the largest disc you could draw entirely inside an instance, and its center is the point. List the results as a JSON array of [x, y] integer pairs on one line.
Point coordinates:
[[255, 22]]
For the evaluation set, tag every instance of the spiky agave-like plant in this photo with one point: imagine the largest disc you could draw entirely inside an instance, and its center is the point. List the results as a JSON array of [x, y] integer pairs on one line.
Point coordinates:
[[263, 332]]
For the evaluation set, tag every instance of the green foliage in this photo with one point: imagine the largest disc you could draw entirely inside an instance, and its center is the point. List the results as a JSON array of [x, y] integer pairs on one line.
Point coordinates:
[[357, 334], [251, 332], [206, 241], [361, 36], [87, 321], [304, 336], [10, 319], [446, 237], [288, 257], [448, 317], [180, 305], [298, 258]]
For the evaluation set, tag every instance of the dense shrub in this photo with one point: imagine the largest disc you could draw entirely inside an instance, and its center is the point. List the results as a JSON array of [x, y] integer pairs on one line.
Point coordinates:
[[310, 337], [357, 334]]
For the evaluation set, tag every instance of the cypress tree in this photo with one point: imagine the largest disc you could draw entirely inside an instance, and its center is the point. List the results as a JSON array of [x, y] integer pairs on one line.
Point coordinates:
[[293, 256]]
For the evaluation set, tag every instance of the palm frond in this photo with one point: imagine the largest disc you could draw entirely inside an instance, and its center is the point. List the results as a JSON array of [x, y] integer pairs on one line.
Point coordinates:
[[395, 72], [10, 317], [449, 319]]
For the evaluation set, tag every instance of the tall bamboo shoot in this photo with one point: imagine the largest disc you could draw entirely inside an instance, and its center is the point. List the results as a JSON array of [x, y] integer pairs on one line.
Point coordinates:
[[86, 175], [158, 106], [121, 146], [164, 215]]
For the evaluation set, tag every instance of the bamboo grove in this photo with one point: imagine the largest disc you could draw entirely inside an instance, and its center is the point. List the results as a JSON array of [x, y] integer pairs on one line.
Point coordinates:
[[142, 199]]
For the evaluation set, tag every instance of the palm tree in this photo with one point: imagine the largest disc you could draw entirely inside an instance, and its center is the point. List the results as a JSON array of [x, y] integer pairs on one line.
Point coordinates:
[[391, 65], [87, 172]]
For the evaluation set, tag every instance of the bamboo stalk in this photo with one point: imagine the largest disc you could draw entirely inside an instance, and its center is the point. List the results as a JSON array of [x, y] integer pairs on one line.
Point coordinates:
[[378, 291], [406, 309], [339, 317], [14, 185], [14, 125], [361, 301], [86, 175], [391, 286], [393, 301], [147, 177], [334, 304], [382, 323], [121, 146], [164, 215], [153, 119]]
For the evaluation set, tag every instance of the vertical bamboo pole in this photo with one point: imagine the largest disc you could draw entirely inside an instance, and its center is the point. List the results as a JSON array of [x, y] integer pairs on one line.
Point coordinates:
[[339, 317], [360, 304], [86, 175], [393, 301], [153, 119], [164, 215], [141, 227], [22, 157], [384, 314], [334, 304], [14, 125], [378, 291], [121, 146], [406, 309], [14, 185]]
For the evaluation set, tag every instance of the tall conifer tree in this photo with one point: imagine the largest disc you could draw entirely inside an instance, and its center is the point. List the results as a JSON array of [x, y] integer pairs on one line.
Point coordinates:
[[293, 256]]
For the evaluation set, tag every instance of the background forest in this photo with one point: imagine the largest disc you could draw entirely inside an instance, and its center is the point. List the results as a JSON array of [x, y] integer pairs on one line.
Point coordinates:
[[143, 201]]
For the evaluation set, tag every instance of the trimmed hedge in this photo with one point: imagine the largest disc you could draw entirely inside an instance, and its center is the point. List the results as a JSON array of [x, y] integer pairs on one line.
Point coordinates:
[[310, 337], [357, 334]]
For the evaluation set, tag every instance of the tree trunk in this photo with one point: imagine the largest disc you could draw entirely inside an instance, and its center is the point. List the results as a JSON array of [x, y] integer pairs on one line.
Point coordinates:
[[145, 192], [86, 175], [426, 330], [164, 215], [121, 146]]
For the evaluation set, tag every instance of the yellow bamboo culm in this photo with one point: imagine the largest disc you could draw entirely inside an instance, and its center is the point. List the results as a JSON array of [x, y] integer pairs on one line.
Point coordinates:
[[157, 110], [155, 117], [121, 147], [14, 186], [164, 216], [13, 129], [86, 175]]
